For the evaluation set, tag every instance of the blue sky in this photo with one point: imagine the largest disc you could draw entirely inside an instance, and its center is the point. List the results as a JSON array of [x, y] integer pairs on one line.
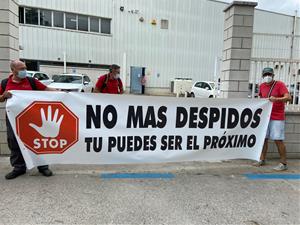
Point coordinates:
[[281, 6]]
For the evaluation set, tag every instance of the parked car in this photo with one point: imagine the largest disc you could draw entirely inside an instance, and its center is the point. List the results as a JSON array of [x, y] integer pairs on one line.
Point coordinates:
[[203, 89], [72, 82], [42, 77]]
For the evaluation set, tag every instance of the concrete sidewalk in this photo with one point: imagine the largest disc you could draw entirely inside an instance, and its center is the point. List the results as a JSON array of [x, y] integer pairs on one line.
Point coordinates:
[[199, 193], [231, 167]]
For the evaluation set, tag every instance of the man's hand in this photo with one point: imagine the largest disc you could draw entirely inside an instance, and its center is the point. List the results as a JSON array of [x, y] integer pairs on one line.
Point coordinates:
[[286, 97], [273, 99], [5, 96]]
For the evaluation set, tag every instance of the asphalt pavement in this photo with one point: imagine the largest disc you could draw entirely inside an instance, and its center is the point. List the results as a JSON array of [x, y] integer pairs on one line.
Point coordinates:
[[231, 192]]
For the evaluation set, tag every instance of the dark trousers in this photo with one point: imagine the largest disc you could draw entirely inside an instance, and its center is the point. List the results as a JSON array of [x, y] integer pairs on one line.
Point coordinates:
[[143, 89], [16, 158]]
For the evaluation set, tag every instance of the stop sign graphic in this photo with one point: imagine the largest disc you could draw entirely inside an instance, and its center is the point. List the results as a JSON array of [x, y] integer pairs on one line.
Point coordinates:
[[47, 127]]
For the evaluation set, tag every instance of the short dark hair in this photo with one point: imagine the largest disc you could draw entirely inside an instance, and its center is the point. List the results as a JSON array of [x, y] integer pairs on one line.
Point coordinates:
[[114, 67]]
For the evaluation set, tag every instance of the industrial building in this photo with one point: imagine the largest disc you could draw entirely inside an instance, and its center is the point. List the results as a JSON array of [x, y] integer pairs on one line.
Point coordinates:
[[165, 39]]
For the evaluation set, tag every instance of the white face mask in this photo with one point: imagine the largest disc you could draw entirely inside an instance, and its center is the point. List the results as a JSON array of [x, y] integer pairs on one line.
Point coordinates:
[[268, 79]]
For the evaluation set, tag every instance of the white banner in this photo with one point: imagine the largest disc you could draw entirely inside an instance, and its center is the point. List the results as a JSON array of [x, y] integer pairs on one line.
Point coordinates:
[[78, 128]]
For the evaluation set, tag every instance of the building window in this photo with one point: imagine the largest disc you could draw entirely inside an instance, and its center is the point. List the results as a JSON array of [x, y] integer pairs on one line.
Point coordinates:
[[45, 18], [21, 15], [71, 21], [31, 16], [83, 23], [94, 24], [164, 24], [105, 26], [58, 19]]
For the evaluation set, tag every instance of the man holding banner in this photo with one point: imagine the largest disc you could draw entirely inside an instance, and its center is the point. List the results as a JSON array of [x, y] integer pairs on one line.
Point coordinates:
[[18, 80], [277, 92]]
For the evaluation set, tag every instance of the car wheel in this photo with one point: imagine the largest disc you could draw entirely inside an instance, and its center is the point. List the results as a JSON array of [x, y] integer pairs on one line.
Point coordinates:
[[192, 95], [211, 96], [82, 90], [92, 90]]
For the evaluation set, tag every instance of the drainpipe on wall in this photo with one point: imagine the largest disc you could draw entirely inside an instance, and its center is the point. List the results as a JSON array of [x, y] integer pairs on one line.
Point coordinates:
[[124, 69], [65, 62]]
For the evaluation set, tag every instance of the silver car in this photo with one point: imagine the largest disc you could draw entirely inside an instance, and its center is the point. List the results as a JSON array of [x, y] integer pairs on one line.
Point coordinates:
[[72, 82], [42, 77]]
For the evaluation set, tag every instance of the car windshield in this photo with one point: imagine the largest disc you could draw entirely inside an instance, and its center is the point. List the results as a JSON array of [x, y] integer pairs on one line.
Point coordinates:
[[67, 79], [212, 85]]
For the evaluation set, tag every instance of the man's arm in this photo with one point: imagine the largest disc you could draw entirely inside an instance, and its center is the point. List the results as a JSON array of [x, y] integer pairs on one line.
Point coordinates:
[[96, 90], [5, 96], [42, 87], [286, 98], [99, 85], [121, 86], [50, 89]]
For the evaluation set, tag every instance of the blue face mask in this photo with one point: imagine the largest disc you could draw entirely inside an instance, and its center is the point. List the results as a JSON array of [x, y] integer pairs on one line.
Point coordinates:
[[22, 74]]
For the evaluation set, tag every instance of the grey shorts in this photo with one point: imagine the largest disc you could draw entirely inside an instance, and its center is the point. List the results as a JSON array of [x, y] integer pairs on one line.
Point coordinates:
[[276, 130]]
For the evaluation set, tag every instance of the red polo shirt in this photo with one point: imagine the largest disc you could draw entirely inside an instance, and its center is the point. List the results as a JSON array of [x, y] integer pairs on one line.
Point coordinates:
[[23, 85], [278, 91], [113, 86]]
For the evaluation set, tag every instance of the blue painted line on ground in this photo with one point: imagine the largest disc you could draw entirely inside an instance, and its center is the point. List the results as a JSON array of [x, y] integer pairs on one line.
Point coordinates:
[[137, 176], [252, 176]]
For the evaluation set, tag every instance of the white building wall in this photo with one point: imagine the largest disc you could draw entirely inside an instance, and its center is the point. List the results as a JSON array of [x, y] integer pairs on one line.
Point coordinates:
[[43, 43], [297, 40], [272, 23], [49, 44], [273, 35], [187, 49], [271, 46]]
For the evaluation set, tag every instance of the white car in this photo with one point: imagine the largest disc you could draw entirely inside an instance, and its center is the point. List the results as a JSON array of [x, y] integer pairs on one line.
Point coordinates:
[[203, 89], [42, 77], [72, 82]]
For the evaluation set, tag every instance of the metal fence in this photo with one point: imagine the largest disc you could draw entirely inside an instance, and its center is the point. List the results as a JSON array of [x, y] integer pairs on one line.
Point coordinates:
[[285, 70]]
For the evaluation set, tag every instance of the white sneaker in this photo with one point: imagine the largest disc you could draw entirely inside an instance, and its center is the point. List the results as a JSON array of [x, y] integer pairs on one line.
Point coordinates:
[[280, 167], [259, 163]]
